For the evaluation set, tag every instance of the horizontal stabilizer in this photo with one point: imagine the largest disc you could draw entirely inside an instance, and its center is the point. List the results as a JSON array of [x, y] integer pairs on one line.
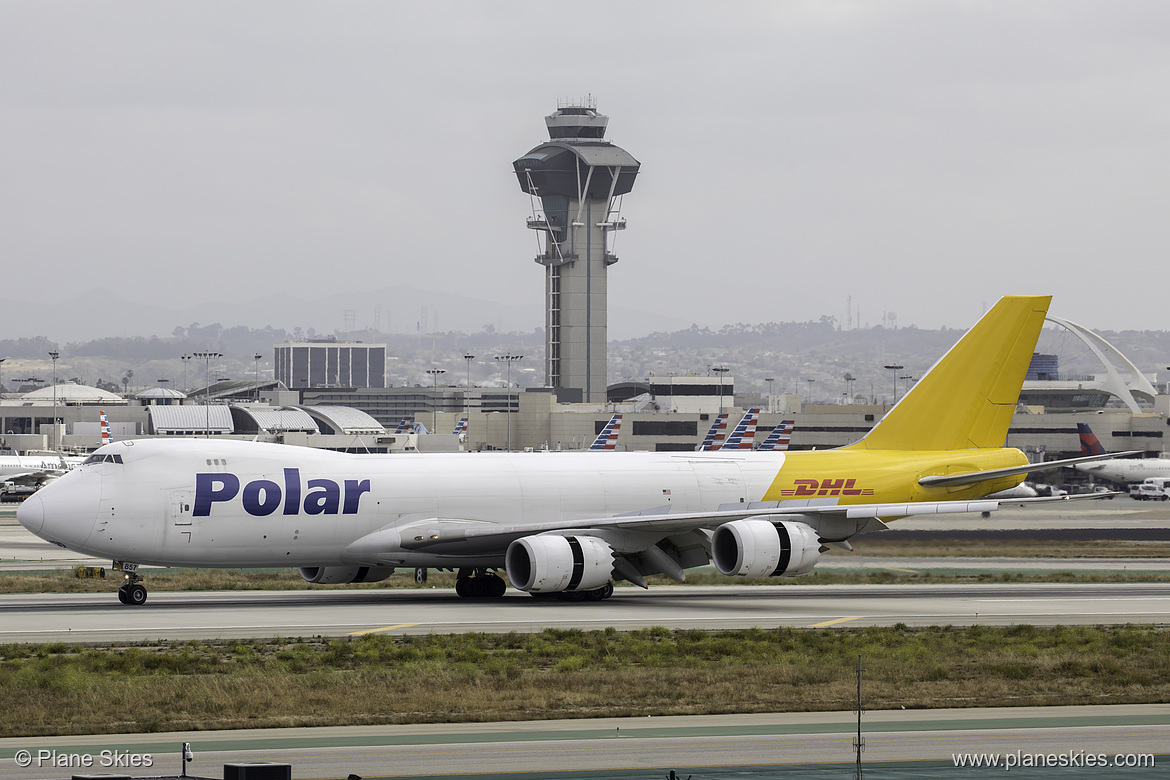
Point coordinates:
[[974, 477], [1069, 497]]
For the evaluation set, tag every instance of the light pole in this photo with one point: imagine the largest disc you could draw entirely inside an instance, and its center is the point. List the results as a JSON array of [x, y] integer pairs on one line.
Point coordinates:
[[895, 369], [810, 384], [54, 354], [186, 359], [257, 357], [2, 389], [467, 397], [720, 370], [435, 372], [509, 359], [207, 357], [908, 380], [771, 404]]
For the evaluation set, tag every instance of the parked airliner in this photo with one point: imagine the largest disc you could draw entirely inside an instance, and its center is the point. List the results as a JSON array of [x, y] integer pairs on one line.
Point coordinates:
[[556, 523], [34, 468], [715, 435], [1115, 469], [743, 436], [607, 439], [779, 438]]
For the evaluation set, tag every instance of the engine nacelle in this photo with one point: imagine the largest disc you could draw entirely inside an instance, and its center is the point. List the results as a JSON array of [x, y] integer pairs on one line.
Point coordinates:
[[551, 564], [337, 575], [760, 548]]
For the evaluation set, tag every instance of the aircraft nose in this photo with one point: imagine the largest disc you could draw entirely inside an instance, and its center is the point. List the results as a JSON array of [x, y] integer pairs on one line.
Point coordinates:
[[31, 513], [63, 511]]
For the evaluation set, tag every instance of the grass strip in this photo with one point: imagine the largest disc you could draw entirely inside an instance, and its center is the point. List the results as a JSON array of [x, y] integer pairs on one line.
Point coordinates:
[[378, 679]]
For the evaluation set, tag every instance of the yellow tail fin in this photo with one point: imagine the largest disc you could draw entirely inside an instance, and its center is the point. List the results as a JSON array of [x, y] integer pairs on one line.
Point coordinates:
[[967, 399]]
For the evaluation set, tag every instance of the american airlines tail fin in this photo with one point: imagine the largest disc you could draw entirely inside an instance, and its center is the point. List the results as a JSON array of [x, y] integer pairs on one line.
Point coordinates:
[[105, 426], [779, 438], [968, 397], [405, 425], [1090, 444], [714, 438], [607, 439], [461, 426], [744, 434]]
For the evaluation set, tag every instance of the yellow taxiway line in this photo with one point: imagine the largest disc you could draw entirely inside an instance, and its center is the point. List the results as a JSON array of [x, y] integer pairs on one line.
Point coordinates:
[[383, 628], [834, 622]]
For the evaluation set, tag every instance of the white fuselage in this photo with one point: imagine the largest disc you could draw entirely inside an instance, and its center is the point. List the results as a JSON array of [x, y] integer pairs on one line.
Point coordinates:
[[1127, 470], [242, 504]]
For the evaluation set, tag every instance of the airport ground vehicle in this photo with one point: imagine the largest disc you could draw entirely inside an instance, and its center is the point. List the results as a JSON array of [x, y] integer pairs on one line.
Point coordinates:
[[1153, 489]]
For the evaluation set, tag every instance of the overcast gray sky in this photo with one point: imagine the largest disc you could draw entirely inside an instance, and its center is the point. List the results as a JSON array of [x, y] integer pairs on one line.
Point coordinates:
[[923, 157]]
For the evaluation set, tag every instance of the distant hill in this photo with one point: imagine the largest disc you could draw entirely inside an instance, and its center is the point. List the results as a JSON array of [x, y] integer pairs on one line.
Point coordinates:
[[389, 309], [790, 353]]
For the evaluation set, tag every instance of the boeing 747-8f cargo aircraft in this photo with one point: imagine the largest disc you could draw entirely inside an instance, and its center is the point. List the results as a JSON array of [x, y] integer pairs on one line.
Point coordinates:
[[555, 522]]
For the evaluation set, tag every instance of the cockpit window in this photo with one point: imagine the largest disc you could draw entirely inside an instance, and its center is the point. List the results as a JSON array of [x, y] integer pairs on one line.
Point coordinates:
[[103, 458]]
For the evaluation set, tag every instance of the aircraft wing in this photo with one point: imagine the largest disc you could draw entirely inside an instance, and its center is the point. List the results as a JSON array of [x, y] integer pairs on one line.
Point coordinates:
[[642, 529], [973, 477], [32, 475], [28, 473]]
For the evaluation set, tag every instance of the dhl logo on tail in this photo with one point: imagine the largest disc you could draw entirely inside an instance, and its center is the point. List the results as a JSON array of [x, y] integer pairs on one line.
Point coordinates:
[[944, 440]]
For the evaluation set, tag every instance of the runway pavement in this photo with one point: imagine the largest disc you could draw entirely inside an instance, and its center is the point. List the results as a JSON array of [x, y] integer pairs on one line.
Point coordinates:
[[898, 744], [254, 614]]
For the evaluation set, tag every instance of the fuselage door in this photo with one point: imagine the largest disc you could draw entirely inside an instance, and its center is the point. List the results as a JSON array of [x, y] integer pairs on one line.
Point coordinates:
[[179, 507]]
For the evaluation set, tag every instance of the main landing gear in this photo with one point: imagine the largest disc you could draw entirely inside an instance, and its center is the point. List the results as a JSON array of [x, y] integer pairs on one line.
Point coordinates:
[[132, 591], [600, 594], [479, 584]]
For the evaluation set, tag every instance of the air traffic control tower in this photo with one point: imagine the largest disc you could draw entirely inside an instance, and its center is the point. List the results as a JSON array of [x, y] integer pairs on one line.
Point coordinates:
[[576, 181]]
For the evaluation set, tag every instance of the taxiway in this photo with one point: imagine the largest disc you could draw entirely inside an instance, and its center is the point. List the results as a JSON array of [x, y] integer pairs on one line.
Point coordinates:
[[100, 617], [746, 747]]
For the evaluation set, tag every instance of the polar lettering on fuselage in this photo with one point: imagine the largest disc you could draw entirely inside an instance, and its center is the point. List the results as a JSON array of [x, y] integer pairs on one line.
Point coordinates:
[[262, 497]]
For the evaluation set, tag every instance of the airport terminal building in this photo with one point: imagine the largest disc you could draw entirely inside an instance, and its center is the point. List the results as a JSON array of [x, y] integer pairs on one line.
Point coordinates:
[[663, 415]]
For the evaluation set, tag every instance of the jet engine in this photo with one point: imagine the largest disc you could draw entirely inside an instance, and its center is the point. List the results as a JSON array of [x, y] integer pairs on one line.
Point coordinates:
[[337, 575], [755, 547], [551, 564]]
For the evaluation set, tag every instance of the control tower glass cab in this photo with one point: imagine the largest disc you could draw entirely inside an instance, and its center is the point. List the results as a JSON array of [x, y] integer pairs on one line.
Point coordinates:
[[576, 181]]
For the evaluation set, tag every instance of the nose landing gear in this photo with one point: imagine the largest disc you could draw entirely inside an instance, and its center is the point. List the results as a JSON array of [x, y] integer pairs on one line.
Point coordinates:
[[132, 592]]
